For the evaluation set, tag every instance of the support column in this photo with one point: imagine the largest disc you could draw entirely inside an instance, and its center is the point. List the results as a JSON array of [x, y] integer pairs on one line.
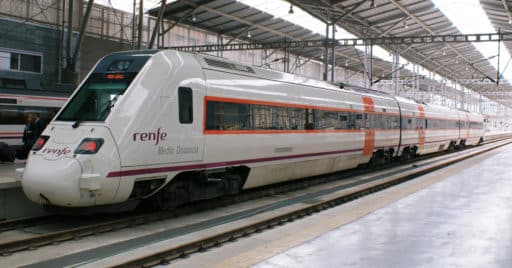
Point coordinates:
[[70, 33], [333, 55], [480, 110], [156, 29], [430, 89], [326, 56], [141, 24], [219, 38], [368, 65], [396, 73], [83, 26], [455, 99], [134, 23], [286, 60], [443, 92], [499, 55]]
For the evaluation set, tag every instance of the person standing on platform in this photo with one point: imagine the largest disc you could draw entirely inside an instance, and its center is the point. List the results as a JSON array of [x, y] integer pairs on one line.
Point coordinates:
[[39, 126], [28, 136]]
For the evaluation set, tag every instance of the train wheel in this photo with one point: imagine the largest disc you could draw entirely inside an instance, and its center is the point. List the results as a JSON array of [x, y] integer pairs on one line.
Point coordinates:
[[462, 144], [379, 158], [452, 146], [407, 155], [170, 197]]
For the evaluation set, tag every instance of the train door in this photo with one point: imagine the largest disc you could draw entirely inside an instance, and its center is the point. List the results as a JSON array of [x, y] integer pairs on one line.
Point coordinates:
[[187, 138]]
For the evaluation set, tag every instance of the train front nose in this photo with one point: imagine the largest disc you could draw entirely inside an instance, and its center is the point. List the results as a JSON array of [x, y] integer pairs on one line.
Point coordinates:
[[55, 182], [70, 169]]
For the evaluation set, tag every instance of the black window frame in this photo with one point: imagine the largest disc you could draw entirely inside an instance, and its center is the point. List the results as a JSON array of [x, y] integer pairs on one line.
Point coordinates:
[[185, 118], [28, 62], [234, 116]]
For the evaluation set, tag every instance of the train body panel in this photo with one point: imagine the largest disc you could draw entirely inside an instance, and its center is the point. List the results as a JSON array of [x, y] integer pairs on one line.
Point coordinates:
[[473, 130], [290, 149], [410, 134], [440, 127], [147, 121]]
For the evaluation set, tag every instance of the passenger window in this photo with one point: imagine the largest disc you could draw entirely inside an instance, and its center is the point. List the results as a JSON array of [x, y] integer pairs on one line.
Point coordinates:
[[185, 105]]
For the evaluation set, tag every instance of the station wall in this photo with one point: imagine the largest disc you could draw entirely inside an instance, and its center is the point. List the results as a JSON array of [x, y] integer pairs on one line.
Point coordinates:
[[22, 47]]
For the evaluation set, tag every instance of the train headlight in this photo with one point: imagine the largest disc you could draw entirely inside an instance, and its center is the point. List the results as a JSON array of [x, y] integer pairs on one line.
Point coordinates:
[[40, 142], [89, 146]]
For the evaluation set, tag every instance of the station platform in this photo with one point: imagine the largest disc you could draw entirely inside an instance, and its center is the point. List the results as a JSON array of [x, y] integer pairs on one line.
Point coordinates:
[[8, 174], [457, 216], [13, 203]]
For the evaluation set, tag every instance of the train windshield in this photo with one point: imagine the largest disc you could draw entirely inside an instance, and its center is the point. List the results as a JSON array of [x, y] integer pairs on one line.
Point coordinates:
[[96, 97]]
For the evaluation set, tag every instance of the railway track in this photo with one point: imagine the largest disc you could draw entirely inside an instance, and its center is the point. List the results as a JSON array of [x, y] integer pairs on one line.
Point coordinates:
[[214, 240], [110, 224]]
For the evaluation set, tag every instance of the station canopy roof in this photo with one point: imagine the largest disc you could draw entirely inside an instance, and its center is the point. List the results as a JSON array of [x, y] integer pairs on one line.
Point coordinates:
[[362, 18], [499, 13]]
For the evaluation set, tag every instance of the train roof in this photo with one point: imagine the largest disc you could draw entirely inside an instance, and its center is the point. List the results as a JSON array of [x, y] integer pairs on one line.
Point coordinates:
[[225, 65]]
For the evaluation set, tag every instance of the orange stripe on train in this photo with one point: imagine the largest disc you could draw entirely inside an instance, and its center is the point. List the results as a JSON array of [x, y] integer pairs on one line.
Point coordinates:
[[421, 130]]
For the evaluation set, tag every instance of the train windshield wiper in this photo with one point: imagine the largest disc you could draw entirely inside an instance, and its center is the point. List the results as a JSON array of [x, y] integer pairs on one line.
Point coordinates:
[[76, 124], [105, 110]]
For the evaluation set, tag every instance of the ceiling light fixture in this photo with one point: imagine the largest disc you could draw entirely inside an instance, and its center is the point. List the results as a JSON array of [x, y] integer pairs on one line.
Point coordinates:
[[346, 63], [405, 24], [249, 34], [373, 3], [194, 17], [444, 52], [291, 10]]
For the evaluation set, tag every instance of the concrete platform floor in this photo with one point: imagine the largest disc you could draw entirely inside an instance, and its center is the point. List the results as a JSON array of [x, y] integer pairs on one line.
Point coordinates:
[[8, 170], [459, 216], [13, 203]]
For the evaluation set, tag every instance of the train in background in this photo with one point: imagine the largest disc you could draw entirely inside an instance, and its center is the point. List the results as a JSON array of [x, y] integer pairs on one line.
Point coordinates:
[[16, 105], [173, 127]]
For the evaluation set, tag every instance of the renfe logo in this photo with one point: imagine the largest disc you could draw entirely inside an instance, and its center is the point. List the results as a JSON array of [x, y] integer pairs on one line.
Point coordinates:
[[56, 151], [150, 136]]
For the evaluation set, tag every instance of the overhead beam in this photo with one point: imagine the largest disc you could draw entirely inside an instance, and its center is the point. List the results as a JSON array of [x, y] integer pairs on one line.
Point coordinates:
[[376, 30], [351, 42], [426, 27]]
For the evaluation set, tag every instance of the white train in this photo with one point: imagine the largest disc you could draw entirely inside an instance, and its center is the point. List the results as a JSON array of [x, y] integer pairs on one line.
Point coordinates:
[[14, 109], [173, 127]]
